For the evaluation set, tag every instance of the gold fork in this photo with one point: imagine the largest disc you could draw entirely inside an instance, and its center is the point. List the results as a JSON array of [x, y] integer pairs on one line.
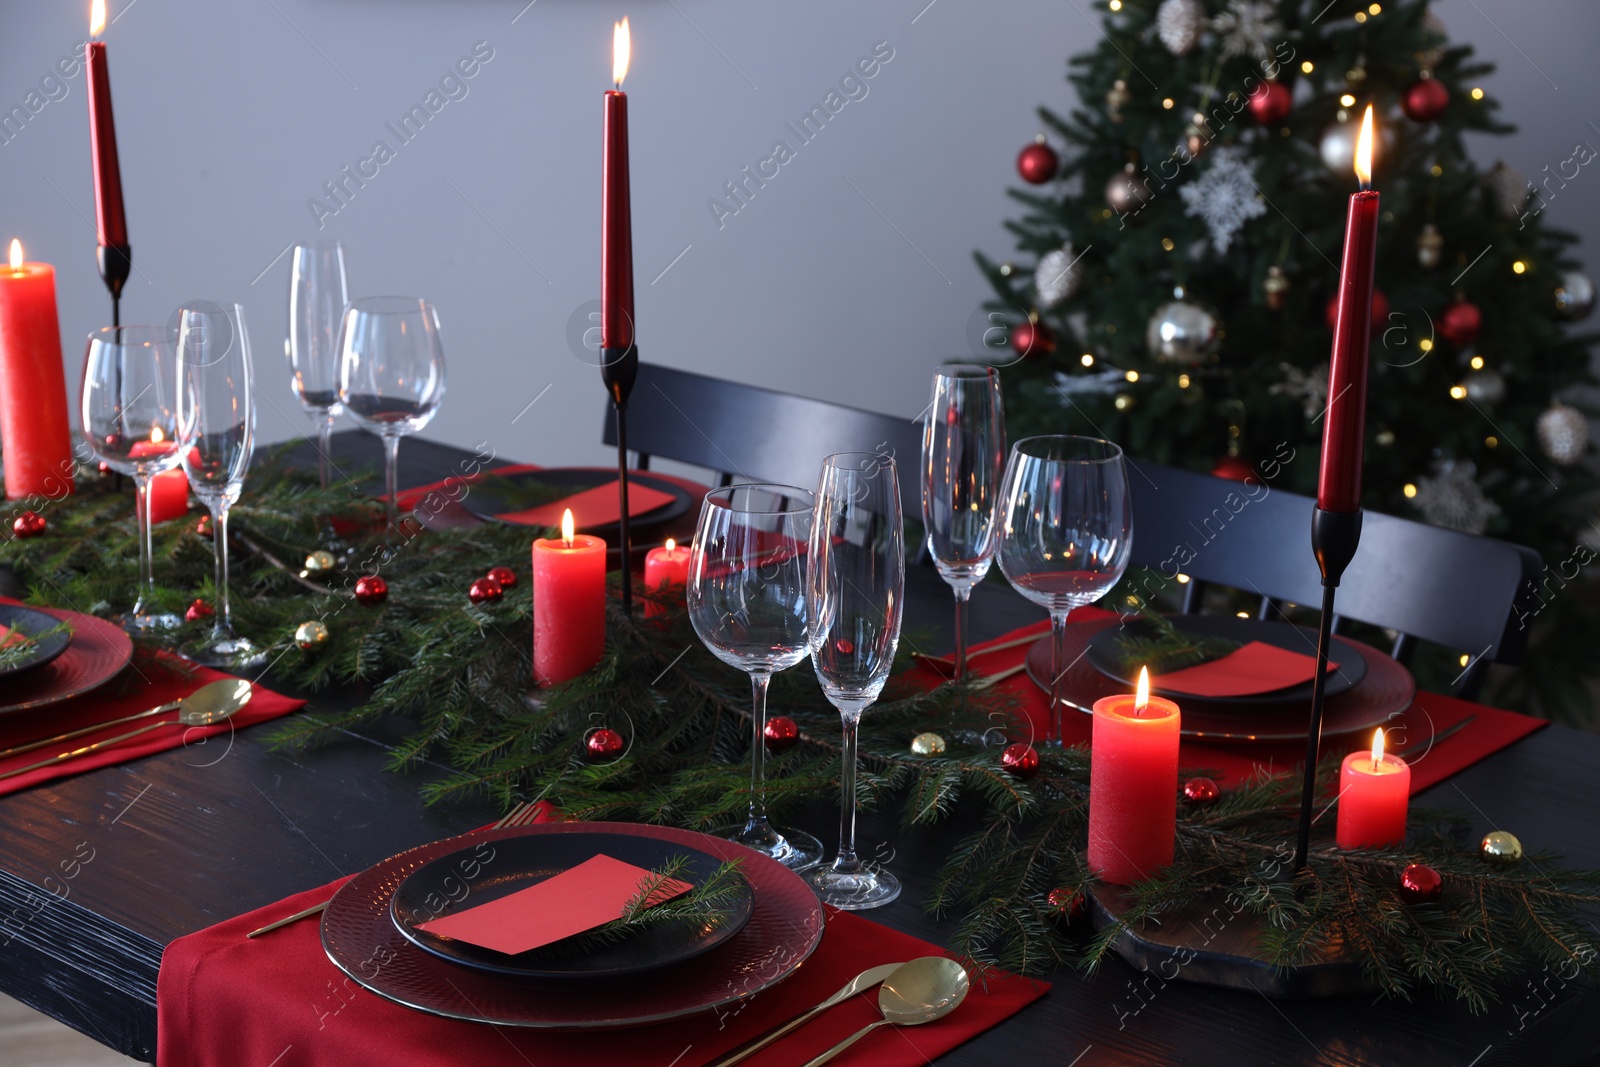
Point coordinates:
[[520, 815]]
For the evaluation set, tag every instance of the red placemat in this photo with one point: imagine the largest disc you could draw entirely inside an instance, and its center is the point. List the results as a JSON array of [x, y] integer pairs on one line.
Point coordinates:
[[223, 1000], [152, 678], [1491, 729], [453, 487]]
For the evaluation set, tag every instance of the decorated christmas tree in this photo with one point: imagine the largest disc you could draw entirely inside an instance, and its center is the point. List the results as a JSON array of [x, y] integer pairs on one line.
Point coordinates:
[[1178, 254]]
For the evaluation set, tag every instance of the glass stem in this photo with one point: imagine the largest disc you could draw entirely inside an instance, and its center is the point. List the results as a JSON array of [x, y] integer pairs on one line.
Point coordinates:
[[1058, 667], [391, 478], [223, 628], [325, 449], [963, 595], [147, 581], [758, 751], [847, 860]]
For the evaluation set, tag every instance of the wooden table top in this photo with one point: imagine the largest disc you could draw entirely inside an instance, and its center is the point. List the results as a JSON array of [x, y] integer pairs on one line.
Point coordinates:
[[189, 837]]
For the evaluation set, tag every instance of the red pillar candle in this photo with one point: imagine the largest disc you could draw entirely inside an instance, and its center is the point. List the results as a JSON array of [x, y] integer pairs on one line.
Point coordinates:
[[169, 490], [666, 567], [616, 215], [1133, 785], [34, 429], [1374, 792], [112, 224], [1345, 422], [569, 604]]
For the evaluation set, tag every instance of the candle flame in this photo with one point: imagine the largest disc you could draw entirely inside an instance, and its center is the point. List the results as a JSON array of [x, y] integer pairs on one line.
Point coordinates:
[[1364, 150], [672, 545], [567, 529], [1377, 748], [16, 254], [97, 18], [1142, 693], [621, 51], [156, 436]]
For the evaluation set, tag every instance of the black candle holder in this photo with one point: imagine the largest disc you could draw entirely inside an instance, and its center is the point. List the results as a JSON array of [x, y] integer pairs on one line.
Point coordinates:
[[619, 367], [116, 263], [1334, 538]]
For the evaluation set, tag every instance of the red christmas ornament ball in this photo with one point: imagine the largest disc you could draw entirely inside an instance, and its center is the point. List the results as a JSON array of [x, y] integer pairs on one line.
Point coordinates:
[[371, 590], [1066, 903], [1020, 759], [199, 611], [780, 734], [1038, 163], [1425, 100], [1200, 791], [203, 527], [1032, 340], [604, 743], [1272, 103], [504, 575], [1460, 323], [1420, 884], [29, 524], [1233, 468], [485, 589], [1380, 311]]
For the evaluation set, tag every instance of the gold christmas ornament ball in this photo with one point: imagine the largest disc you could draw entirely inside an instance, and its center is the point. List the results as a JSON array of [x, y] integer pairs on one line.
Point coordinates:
[[311, 635], [1430, 243], [927, 743], [1117, 98], [320, 562], [1500, 846]]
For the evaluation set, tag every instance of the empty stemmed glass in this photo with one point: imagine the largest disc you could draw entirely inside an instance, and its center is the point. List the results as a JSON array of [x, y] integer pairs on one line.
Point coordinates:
[[963, 456], [130, 421], [855, 583], [216, 421], [747, 601], [391, 375], [1066, 532], [317, 297]]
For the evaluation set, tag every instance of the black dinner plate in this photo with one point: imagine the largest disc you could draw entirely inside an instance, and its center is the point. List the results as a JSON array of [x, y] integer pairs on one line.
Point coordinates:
[[1102, 654], [30, 622], [494, 494], [490, 870]]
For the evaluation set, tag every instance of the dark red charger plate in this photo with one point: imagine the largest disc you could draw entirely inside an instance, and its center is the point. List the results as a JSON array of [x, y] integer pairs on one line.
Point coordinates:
[[360, 937], [98, 653], [1388, 688]]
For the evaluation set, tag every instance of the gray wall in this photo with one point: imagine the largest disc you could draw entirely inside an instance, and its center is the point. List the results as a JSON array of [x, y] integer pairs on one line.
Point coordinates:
[[845, 278]]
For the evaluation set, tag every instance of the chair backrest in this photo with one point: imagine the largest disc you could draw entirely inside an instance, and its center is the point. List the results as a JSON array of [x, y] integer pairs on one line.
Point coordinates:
[[747, 433], [1425, 582]]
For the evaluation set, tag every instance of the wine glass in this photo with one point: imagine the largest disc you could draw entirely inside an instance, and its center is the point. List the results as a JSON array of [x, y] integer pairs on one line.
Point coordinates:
[[317, 297], [130, 420], [1066, 532], [855, 584], [216, 422], [963, 455], [391, 374], [747, 601]]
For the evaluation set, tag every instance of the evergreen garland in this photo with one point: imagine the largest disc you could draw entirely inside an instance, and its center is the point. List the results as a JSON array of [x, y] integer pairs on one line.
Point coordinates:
[[459, 672]]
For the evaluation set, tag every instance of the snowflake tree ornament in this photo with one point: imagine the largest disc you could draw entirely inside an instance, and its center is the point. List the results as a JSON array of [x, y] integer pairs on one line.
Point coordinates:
[[1311, 388], [1101, 383], [1452, 498], [1225, 197], [1247, 28]]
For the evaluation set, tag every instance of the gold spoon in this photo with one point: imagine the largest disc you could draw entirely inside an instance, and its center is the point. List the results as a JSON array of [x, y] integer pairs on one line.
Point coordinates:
[[918, 992], [865, 980], [220, 705], [212, 702]]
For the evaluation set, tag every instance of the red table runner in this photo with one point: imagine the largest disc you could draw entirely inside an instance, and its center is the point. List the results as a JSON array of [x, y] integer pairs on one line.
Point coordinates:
[[223, 1000], [1430, 713]]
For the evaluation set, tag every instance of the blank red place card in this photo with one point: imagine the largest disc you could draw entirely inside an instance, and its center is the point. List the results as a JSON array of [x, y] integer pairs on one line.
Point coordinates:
[[1256, 667], [600, 506], [578, 899]]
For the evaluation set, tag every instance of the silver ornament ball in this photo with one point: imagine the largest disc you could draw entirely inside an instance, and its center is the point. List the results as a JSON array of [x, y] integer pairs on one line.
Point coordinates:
[[1563, 433], [1510, 189], [1057, 276], [1182, 332], [1574, 297], [1127, 191], [1179, 24]]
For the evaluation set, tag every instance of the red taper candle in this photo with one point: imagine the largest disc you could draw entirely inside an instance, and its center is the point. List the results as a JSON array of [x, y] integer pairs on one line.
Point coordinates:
[[112, 224], [34, 426], [616, 216], [1345, 418]]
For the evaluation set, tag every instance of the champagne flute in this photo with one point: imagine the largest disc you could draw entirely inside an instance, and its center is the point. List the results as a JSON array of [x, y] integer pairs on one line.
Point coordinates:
[[963, 456], [317, 298], [747, 602], [129, 409], [1066, 532], [855, 584], [391, 375], [216, 422]]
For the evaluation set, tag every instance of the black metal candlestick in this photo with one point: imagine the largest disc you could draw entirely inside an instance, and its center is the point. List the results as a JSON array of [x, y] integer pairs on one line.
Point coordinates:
[[1334, 537], [116, 263], [619, 367]]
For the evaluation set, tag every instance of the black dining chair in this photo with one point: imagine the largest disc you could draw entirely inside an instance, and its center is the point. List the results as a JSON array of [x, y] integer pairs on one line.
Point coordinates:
[[1423, 583], [747, 433]]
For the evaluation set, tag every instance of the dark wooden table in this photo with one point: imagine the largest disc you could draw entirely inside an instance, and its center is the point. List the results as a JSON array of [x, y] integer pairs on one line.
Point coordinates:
[[189, 837]]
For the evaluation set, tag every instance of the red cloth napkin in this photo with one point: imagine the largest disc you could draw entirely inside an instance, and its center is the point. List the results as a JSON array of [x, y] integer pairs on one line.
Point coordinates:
[[1254, 667], [599, 506], [152, 678], [1430, 713], [223, 1000], [455, 486]]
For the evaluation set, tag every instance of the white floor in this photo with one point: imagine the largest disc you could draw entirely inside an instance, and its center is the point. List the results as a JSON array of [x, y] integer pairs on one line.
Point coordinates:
[[34, 1040]]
